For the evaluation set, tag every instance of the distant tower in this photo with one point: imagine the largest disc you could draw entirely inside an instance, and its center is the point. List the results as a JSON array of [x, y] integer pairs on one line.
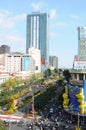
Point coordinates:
[[37, 33], [53, 61], [4, 49], [82, 43]]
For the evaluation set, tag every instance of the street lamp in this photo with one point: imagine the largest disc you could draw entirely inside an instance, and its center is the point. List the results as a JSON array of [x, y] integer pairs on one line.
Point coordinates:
[[78, 121], [9, 123], [33, 112], [33, 106], [78, 126]]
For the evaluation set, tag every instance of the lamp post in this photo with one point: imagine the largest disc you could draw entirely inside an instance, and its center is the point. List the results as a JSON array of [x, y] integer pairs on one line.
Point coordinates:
[[78, 127], [9, 124], [33, 110], [33, 106]]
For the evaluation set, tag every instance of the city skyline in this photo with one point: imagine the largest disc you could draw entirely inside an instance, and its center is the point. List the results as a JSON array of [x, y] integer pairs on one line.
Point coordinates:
[[65, 17]]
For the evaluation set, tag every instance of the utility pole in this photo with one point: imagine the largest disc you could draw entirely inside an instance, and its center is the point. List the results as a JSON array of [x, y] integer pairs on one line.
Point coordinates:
[[33, 111], [78, 126], [33, 106], [9, 124]]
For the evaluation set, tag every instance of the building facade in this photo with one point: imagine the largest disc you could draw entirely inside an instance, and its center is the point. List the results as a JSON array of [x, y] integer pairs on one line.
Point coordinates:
[[36, 55], [17, 63], [78, 71], [53, 61], [4, 49], [37, 33], [82, 43]]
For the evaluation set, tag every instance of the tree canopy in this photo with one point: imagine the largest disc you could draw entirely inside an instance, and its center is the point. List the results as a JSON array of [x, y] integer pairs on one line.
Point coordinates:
[[47, 73], [67, 74]]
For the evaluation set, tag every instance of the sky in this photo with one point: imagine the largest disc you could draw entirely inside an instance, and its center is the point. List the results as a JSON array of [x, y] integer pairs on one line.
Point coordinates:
[[65, 17]]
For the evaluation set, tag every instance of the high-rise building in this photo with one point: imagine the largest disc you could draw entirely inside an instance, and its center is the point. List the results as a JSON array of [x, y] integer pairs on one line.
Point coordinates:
[[82, 43], [37, 33], [4, 49], [53, 61]]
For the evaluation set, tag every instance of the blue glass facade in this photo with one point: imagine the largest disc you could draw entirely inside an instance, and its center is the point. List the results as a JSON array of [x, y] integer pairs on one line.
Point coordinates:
[[26, 63], [37, 33]]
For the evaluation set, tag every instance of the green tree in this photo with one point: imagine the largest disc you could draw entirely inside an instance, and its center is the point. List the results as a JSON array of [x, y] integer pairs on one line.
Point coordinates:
[[55, 70], [47, 73], [12, 82], [67, 75], [60, 82], [6, 85], [2, 126], [44, 98], [40, 82], [18, 81], [9, 84]]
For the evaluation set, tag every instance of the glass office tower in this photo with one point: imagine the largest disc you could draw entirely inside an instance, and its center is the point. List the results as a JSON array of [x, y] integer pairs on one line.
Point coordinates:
[[37, 33], [82, 43]]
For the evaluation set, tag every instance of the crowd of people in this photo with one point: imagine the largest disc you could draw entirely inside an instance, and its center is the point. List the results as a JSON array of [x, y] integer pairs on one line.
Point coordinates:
[[54, 117]]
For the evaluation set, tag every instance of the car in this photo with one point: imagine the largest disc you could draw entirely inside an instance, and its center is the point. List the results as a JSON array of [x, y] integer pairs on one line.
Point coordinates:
[[5, 108]]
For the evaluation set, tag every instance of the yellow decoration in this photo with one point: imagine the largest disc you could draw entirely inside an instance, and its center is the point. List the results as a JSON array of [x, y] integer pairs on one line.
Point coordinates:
[[66, 90], [80, 97], [65, 97]]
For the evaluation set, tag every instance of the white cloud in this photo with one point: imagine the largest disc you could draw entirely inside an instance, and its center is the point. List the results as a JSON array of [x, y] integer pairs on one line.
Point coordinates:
[[7, 20], [5, 12], [58, 24], [52, 13], [19, 17], [52, 34], [74, 16], [61, 24], [9, 31], [14, 39], [37, 6], [17, 43]]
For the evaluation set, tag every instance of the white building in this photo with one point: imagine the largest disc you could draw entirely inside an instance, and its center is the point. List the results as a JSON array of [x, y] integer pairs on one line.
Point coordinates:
[[36, 55], [13, 62], [16, 63]]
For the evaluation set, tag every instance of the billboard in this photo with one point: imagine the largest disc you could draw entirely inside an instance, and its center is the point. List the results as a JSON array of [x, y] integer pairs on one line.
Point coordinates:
[[26, 63], [80, 64]]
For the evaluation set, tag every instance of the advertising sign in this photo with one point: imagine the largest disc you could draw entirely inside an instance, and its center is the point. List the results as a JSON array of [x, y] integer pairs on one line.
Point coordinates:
[[27, 63]]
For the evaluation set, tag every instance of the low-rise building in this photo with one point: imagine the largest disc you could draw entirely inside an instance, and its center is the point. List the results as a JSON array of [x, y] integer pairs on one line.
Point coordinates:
[[4, 49], [53, 61], [14, 63]]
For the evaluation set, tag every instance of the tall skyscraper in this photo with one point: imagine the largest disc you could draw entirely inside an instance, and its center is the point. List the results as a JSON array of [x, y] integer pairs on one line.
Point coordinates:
[[37, 33], [82, 43]]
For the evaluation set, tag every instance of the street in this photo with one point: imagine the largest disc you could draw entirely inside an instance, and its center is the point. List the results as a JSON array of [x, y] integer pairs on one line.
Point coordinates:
[[15, 127]]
